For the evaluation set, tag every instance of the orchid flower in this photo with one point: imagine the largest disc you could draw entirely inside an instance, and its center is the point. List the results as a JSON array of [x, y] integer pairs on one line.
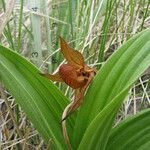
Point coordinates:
[[74, 73]]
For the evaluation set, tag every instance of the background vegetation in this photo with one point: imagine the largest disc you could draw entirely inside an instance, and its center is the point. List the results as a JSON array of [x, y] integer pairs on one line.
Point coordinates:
[[96, 28]]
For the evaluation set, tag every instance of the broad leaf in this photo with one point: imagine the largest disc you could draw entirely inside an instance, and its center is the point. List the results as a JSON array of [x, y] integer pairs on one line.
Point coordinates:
[[97, 132], [131, 134], [38, 97], [118, 74]]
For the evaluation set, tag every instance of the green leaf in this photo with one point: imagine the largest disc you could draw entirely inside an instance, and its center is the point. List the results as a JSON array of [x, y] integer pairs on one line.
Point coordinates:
[[38, 97], [118, 74], [131, 134], [98, 131]]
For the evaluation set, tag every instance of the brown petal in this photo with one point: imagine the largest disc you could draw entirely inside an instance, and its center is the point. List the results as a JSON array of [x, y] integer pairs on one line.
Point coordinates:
[[55, 77], [73, 57]]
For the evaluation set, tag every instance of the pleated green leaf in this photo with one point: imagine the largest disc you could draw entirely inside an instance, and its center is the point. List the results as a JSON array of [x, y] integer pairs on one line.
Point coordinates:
[[40, 99], [116, 76], [98, 131], [131, 134]]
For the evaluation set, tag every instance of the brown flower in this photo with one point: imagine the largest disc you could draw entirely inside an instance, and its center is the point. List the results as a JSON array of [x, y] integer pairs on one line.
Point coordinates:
[[75, 73]]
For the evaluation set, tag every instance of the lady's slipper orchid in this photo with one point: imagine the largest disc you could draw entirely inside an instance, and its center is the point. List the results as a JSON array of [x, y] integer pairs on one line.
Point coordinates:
[[75, 73]]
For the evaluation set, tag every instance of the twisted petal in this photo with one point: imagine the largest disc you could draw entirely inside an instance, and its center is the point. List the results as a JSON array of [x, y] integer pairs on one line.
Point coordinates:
[[54, 77]]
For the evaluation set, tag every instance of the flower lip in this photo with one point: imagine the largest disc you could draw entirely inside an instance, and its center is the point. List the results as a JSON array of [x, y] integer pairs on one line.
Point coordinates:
[[71, 77]]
